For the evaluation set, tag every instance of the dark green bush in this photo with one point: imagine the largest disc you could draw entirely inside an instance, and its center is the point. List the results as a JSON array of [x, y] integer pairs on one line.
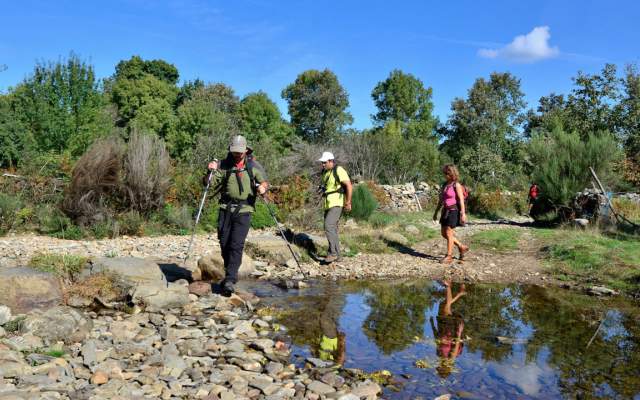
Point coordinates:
[[53, 222], [178, 219], [209, 218], [9, 208], [130, 223], [261, 217], [363, 204]]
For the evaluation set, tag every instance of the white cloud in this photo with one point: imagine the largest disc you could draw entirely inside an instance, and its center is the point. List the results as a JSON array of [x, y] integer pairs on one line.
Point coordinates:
[[534, 46]]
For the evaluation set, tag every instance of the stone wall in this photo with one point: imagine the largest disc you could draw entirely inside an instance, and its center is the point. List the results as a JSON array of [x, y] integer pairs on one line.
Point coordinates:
[[405, 197]]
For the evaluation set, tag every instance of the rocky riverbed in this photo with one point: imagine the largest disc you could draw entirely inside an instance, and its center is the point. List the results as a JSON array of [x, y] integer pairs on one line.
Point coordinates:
[[211, 348]]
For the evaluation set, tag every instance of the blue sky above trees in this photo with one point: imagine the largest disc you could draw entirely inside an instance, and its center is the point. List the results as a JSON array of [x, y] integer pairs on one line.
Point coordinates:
[[258, 45]]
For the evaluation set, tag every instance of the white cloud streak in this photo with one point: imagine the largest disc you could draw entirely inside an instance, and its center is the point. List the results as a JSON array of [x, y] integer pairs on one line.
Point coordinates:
[[532, 47]]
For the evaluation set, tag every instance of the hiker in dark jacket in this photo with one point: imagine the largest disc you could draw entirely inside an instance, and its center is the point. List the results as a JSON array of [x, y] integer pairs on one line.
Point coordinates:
[[453, 212], [239, 182]]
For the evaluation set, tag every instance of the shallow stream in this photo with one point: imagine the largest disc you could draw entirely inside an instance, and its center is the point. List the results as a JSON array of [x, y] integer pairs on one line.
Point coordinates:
[[473, 341]]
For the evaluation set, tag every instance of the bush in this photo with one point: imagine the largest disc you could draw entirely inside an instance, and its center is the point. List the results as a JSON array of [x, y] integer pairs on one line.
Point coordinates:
[[363, 204], [209, 218], [262, 217], [9, 207], [146, 173], [494, 203], [130, 223], [62, 265], [380, 220], [108, 228], [179, 219], [294, 194], [54, 222]]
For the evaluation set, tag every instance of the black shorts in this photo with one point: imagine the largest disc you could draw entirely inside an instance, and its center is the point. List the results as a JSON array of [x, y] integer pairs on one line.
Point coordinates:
[[450, 218]]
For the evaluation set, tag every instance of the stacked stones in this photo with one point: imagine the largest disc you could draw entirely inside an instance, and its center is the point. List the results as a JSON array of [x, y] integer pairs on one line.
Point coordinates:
[[405, 197]]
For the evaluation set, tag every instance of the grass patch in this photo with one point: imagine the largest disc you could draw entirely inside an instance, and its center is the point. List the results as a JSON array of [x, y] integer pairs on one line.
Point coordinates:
[[62, 265], [102, 285], [592, 257], [54, 353], [14, 325], [497, 239], [363, 243]]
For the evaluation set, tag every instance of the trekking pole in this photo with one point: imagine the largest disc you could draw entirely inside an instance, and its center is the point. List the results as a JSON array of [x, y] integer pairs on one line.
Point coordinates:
[[273, 215], [193, 232]]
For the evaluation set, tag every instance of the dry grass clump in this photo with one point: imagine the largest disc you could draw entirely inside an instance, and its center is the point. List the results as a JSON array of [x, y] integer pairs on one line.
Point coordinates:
[[103, 286], [62, 265]]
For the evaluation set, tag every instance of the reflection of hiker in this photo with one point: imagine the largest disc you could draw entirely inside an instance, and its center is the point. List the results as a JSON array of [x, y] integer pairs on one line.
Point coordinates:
[[335, 184], [332, 345], [453, 211], [239, 182], [448, 334], [534, 192]]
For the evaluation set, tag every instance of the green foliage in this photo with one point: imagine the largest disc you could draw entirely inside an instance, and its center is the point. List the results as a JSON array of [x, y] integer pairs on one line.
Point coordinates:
[[363, 204], [209, 218], [260, 121], [562, 162], [380, 220], [9, 208], [107, 228], [493, 203], [402, 98], [501, 240], [483, 166], [62, 265], [15, 325], [262, 218], [130, 223], [179, 219], [13, 140], [137, 68], [317, 105], [53, 222]]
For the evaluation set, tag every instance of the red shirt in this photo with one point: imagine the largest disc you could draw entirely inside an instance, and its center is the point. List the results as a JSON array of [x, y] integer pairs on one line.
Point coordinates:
[[533, 191]]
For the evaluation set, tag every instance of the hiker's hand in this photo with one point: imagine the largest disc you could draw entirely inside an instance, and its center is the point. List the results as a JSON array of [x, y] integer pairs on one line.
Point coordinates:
[[347, 206], [435, 215], [463, 218], [262, 189], [213, 165]]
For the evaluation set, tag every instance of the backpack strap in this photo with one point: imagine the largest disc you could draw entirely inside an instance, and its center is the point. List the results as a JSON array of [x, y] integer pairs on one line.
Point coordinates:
[[337, 181], [251, 199]]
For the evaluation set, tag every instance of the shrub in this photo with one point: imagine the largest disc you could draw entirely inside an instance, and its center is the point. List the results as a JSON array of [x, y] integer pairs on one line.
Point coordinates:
[[378, 193], [96, 176], [294, 194], [108, 228], [62, 265], [363, 204], [102, 285], [629, 208], [146, 172], [54, 222], [262, 217], [494, 203], [209, 218], [178, 218], [9, 207], [380, 220], [130, 223]]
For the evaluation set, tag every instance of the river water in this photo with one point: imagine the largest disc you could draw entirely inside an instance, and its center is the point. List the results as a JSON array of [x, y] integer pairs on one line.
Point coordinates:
[[471, 341]]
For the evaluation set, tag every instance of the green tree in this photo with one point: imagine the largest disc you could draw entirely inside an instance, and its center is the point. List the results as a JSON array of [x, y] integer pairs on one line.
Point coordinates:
[[562, 162], [629, 111], [136, 68], [491, 114], [404, 99], [13, 136], [61, 107], [208, 117], [317, 106], [260, 120]]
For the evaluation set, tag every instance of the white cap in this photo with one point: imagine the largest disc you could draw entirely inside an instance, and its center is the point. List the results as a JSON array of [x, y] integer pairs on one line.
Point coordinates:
[[326, 156]]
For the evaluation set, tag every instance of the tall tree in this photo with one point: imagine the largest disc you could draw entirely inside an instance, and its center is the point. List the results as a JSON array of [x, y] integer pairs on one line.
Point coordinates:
[[61, 106], [260, 120], [317, 105], [403, 99], [491, 114], [136, 68], [13, 135], [629, 112]]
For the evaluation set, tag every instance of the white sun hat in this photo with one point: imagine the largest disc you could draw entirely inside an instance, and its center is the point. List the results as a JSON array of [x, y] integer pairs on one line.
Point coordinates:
[[326, 156]]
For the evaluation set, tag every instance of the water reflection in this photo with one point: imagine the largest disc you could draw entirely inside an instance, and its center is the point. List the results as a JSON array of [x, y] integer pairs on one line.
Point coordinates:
[[483, 340]]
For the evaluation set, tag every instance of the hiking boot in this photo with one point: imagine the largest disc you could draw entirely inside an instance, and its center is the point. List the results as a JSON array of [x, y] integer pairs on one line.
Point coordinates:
[[330, 258], [448, 259], [227, 289], [463, 250]]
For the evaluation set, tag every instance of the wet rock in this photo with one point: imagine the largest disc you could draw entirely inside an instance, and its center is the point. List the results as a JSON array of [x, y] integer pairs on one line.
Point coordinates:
[[158, 297], [57, 324], [24, 289], [318, 363], [443, 397], [366, 389]]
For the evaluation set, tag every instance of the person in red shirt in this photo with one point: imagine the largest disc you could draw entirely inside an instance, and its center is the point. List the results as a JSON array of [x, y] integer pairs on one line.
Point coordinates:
[[534, 192]]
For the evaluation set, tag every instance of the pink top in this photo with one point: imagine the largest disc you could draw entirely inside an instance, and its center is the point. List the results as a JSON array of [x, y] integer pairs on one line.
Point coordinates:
[[449, 195]]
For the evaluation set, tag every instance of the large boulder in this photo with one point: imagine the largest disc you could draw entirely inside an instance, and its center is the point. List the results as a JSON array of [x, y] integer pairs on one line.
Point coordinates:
[[59, 323], [313, 243], [212, 267], [24, 289], [157, 297], [133, 271], [270, 247], [12, 364]]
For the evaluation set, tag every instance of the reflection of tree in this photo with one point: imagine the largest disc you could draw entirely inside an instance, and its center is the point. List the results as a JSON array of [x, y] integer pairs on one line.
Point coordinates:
[[397, 314], [564, 323], [489, 312]]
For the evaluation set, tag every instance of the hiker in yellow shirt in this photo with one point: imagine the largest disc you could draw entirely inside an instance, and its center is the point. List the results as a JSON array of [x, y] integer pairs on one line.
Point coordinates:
[[336, 192]]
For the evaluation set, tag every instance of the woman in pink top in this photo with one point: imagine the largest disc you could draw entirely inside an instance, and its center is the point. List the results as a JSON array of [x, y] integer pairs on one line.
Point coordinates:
[[453, 212]]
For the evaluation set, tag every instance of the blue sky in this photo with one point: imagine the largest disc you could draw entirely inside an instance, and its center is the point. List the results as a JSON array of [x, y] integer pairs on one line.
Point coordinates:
[[262, 45]]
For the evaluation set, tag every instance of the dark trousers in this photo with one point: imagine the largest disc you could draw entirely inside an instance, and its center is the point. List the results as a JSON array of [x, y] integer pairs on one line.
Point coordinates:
[[233, 228]]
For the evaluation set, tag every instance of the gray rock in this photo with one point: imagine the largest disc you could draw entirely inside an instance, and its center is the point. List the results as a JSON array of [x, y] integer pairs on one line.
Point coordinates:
[[366, 389], [158, 297], [320, 387], [271, 247], [212, 267], [412, 230], [3, 333], [264, 383], [581, 222], [601, 291], [349, 396], [24, 289], [394, 237], [23, 343], [131, 270], [5, 315], [318, 363], [60, 323], [12, 364], [274, 368]]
